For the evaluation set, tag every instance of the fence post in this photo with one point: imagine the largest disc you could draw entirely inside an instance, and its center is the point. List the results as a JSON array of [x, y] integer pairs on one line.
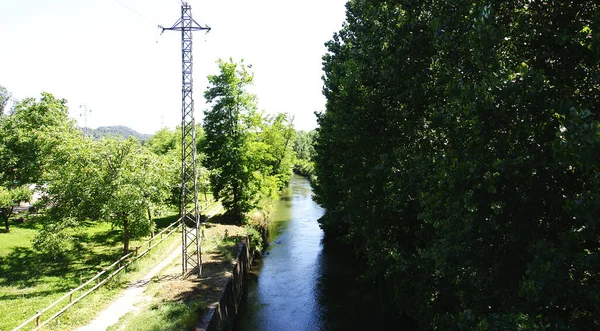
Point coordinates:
[[136, 250], [71, 297], [37, 319]]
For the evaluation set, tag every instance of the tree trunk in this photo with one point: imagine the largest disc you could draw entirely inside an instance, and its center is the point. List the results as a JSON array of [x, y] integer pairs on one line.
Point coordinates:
[[5, 214], [236, 203], [150, 219], [6, 223], [125, 235]]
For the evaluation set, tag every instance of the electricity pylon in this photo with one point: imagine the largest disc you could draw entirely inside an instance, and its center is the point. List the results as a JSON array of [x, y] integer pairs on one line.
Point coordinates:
[[84, 113], [191, 255]]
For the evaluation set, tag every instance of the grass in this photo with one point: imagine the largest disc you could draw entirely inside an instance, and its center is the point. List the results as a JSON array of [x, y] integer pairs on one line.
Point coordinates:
[[83, 312], [167, 316], [176, 303], [19, 236], [30, 280]]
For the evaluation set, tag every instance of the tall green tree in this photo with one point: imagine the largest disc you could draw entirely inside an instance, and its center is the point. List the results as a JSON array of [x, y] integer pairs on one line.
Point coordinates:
[[167, 144], [136, 182], [459, 154], [227, 128], [29, 139], [277, 133]]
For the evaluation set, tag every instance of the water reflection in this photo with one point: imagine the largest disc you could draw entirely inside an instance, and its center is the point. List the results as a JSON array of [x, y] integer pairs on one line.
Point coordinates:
[[303, 283]]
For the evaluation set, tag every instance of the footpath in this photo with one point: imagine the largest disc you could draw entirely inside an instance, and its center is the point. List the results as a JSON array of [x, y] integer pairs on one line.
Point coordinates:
[[130, 297], [134, 294]]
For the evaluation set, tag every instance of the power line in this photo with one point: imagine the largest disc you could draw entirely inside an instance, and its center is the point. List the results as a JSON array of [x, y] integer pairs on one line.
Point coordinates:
[[138, 13]]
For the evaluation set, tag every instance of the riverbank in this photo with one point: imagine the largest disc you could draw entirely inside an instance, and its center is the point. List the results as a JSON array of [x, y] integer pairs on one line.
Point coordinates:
[[305, 169], [172, 302]]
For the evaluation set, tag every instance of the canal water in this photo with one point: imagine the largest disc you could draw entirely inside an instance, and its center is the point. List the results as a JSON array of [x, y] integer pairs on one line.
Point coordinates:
[[303, 283]]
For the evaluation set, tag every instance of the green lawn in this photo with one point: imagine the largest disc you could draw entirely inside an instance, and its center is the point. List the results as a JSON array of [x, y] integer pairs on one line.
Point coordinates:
[[30, 280], [20, 236]]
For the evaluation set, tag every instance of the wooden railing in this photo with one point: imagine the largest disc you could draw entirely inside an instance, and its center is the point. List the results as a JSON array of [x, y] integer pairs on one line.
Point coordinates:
[[118, 266]]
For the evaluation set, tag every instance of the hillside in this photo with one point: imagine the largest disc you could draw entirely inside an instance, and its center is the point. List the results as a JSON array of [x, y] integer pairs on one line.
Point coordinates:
[[118, 130]]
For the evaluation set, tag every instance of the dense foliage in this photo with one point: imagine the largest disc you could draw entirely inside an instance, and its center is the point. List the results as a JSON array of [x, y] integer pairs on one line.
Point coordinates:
[[248, 154], [166, 144], [27, 138], [304, 151], [82, 180], [304, 145], [113, 180], [460, 151]]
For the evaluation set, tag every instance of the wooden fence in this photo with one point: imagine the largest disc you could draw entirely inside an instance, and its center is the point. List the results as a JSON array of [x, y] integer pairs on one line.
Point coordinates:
[[97, 280]]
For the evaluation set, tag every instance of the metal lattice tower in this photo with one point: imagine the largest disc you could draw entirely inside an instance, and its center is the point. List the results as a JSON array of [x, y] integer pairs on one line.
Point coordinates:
[[84, 113], [189, 212]]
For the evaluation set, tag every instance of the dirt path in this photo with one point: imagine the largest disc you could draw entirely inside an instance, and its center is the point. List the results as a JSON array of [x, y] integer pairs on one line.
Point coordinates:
[[133, 295]]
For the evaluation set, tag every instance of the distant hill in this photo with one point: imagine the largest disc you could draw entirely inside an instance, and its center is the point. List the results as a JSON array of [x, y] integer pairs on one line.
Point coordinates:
[[118, 130]]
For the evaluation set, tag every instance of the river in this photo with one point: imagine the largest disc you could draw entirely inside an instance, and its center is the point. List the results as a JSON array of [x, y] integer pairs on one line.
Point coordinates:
[[302, 283]]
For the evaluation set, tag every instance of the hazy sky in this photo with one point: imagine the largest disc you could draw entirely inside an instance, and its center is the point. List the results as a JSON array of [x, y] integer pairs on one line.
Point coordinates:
[[100, 53]]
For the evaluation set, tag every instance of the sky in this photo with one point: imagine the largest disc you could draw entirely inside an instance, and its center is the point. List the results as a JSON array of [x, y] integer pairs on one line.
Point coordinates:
[[110, 56]]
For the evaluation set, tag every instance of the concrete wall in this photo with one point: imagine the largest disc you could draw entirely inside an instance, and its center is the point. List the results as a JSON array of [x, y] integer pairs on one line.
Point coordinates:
[[221, 315]]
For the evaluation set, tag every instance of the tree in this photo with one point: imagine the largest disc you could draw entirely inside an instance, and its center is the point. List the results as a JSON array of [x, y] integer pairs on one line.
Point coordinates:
[[278, 134], [29, 139], [459, 153], [304, 145], [227, 128], [113, 180], [30, 136], [5, 97], [135, 182], [167, 144], [10, 198], [164, 141]]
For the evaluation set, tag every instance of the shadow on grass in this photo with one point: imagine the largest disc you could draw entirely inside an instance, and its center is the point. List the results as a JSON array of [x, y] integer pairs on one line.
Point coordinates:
[[27, 267], [21, 220], [167, 278], [111, 237], [23, 267], [163, 222], [226, 219]]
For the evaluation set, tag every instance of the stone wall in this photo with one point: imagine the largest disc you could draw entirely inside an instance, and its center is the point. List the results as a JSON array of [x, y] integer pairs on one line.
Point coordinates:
[[221, 315]]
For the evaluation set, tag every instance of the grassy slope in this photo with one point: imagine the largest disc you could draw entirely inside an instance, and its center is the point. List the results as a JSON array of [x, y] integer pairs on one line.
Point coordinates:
[[29, 280], [176, 303]]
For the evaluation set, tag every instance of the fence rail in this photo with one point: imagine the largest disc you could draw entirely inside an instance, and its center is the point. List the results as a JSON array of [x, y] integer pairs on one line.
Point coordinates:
[[120, 265]]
